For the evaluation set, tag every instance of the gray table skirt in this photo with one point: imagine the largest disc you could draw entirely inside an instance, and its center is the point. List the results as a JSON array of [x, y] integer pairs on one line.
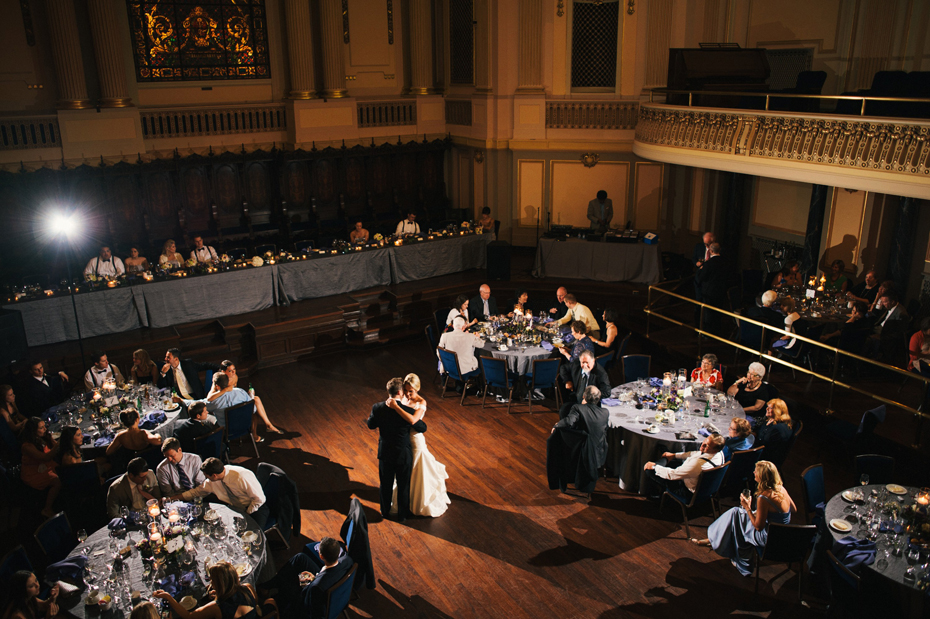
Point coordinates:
[[518, 361], [431, 259], [604, 262], [323, 277]]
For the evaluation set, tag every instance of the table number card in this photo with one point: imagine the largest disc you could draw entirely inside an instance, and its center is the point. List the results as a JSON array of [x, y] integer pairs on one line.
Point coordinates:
[[111, 401]]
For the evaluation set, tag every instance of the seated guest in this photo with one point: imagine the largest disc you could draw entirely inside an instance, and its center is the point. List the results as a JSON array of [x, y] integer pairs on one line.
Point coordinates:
[[558, 307], [775, 434], [408, 226], [580, 343], [359, 235], [836, 280], [462, 343], [236, 486], [231, 598], [739, 437], [22, 599], [145, 610], [707, 373], [766, 312], [132, 489], [789, 275], [222, 396], [740, 532], [41, 391], [105, 265], [143, 370], [484, 305], [578, 312], [179, 471], [889, 331], [184, 377], [170, 258], [751, 392], [459, 309], [198, 425], [203, 253], [865, 290], [69, 446], [485, 220], [918, 350], [886, 286], [786, 342], [664, 475], [229, 368], [101, 371], [855, 331], [38, 468], [136, 263], [8, 409], [610, 341], [578, 375], [133, 438], [309, 600], [519, 302]]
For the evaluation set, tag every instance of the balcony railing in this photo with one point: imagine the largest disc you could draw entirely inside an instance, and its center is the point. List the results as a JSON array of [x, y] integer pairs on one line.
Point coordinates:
[[22, 132], [175, 123], [386, 113], [591, 114]]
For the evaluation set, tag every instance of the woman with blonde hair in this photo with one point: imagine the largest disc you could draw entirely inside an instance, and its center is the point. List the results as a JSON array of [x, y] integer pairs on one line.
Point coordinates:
[[143, 368], [145, 610], [739, 532], [776, 432], [170, 258], [428, 476], [231, 598]]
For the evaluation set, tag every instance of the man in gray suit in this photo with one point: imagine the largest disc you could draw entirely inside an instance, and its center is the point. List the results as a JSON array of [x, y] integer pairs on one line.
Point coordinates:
[[600, 210], [133, 488]]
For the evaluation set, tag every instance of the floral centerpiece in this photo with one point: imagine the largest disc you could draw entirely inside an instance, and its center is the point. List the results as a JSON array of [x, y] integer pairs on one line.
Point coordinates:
[[379, 237], [669, 400], [257, 261]]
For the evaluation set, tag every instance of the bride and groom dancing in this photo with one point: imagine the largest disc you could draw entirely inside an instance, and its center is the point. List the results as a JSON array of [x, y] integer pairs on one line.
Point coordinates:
[[413, 482]]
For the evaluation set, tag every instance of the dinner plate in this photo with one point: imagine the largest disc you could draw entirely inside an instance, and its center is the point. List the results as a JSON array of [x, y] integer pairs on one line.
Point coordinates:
[[243, 569], [841, 525], [651, 430], [188, 602], [503, 348], [249, 536], [210, 515], [852, 496], [171, 407], [896, 489]]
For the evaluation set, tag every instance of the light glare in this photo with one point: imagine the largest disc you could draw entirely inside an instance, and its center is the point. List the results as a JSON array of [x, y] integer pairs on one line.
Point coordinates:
[[61, 224]]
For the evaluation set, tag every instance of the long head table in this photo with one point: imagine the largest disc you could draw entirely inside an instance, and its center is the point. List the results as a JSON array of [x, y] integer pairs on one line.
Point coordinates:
[[603, 262]]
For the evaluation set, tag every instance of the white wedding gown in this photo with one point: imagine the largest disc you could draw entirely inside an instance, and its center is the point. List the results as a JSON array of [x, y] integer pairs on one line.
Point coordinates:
[[427, 482]]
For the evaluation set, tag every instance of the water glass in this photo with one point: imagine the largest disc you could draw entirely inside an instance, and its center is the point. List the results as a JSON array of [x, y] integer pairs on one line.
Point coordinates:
[[682, 376], [864, 480]]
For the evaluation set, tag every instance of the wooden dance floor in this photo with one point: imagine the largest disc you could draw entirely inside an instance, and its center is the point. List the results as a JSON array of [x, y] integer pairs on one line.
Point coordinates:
[[508, 546]]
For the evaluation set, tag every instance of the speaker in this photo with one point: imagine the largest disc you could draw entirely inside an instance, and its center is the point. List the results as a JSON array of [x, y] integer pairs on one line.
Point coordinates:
[[12, 337], [499, 260]]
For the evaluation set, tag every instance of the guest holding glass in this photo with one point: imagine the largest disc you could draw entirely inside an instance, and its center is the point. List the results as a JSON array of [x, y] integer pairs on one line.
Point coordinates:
[[610, 341], [740, 532], [580, 344], [170, 258], [359, 235], [22, 600], [8, 409], [751, 392], [143, 370], [739, 437], [707, 373], [38, 468], [460, 309], [136, 263], [231, 598]]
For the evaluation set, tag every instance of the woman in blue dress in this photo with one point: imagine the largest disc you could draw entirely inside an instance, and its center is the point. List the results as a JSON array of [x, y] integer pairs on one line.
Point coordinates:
[[740, 531]]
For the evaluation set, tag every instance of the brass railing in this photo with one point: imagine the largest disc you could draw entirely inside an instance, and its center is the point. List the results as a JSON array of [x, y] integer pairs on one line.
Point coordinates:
[[768, 96], [652, 311]]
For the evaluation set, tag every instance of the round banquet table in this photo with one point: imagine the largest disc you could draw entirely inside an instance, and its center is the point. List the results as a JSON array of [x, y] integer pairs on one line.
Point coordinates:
[[891, 579], [518, 360], [100, 553], [629, 447]]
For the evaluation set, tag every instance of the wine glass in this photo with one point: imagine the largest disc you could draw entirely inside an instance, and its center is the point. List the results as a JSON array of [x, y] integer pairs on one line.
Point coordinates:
[[864, 480], [81, 535]]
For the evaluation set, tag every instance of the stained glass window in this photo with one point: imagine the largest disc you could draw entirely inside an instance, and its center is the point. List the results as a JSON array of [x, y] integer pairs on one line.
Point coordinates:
[[176, 40]]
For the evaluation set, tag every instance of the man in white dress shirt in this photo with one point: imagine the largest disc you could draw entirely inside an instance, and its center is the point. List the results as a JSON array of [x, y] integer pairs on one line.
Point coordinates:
[[203, 253], [105, 264], [101, 371], [408, 226], [462, 343], [660, 476], [179, 471], [236, 486]]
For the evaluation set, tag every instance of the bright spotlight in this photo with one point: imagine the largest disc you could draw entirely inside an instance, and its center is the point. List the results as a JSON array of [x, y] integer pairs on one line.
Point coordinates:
[[64, 225]]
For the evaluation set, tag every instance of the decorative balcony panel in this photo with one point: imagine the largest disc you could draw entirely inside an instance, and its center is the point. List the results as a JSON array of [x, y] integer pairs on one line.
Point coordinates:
[[591, 114], [212, 121], [853, 152], [386, 113], [22, 132], [458, 112]]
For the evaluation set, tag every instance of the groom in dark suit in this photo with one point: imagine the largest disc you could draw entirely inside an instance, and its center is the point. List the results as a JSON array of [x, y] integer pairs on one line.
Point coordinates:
[[395, 457]]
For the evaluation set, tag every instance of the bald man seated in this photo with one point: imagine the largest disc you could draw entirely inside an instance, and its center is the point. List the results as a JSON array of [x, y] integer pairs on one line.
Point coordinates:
[[482, 306]]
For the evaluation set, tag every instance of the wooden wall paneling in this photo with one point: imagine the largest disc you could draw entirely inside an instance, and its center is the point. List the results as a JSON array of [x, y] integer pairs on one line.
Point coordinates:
[[406, 183], [82, 187], [381, 190], [197, 196], [160, 204], [227, 195], [121, 183], [295, 191], [327, 196], [260, 193], [356, 194]]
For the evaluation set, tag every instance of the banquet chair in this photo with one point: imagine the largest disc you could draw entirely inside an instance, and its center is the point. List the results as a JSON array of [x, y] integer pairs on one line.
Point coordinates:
[[237, 252], [302, 247], [707, 486], [787, 543], [261, 250], [239, 424], [604, 360], [742, 466], [433, 341], [880, 469], [439, 317], [450, 365], [283, 503], [210, 445], [152, 456], [337, 596], [55, 537], [10, 443], [80, 482], [845, 590], [12, 562], [495, 374], [813, 493], [636, 367], [544, 374], [857, 439]]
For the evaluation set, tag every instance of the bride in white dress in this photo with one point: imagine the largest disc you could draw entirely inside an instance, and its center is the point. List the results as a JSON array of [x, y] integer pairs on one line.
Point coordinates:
[[428, 476]]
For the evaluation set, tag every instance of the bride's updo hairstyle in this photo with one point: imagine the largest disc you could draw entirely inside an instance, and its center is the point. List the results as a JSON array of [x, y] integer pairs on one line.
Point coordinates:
[[413, 381]]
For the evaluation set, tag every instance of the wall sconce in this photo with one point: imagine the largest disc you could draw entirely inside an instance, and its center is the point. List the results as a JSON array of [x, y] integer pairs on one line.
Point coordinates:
[[479, 156], [590, 159], [560, 8], [631, 7]]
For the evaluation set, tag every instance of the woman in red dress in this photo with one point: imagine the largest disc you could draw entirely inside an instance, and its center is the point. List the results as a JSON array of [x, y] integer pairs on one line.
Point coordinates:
[[707, 373]]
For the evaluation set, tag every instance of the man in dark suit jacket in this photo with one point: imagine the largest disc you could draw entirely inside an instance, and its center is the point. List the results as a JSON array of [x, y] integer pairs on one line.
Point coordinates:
[[702, 250], [395, 458], [711, 282], [476, 305], [42, 391], [184, 376], [572, 462], [600, 211], [295, 599], [198, 425], [580, 374]]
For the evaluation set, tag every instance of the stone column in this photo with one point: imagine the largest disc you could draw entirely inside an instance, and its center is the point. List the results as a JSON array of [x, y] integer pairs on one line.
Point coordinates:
[[902, 244], [818, 207], [299, 49], [66, 52], [107, 51], [421, 47], [334, 71], [529, 53]]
